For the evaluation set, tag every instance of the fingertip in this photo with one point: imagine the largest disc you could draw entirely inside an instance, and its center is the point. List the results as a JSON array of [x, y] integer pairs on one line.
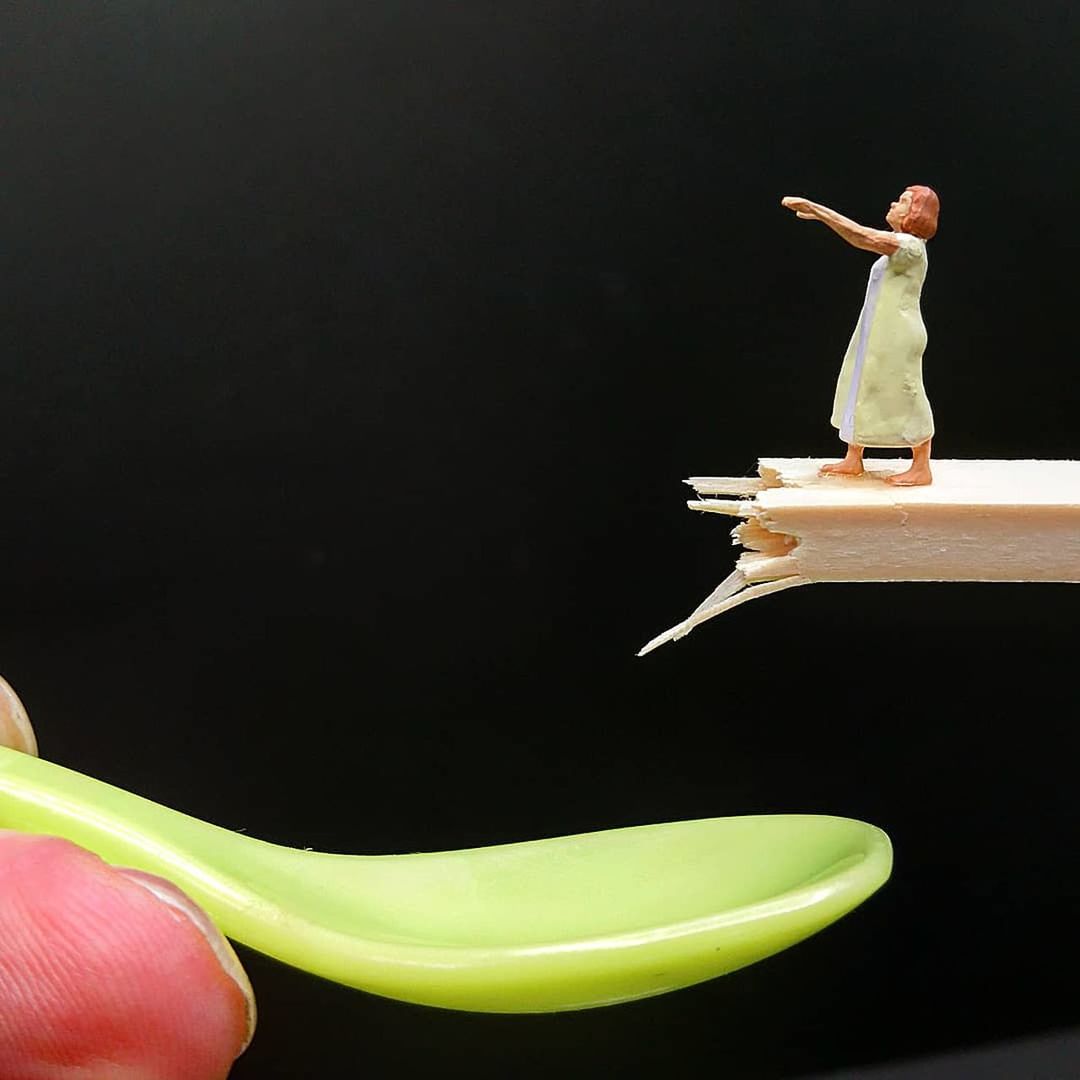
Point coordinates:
[[176, 900], [104, 969]]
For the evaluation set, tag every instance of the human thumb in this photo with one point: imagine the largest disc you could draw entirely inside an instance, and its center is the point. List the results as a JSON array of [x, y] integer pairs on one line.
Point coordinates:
[[107, 972]]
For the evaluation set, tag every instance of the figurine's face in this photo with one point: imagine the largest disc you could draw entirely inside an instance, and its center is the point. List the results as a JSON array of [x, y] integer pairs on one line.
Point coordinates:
[[898, 211]]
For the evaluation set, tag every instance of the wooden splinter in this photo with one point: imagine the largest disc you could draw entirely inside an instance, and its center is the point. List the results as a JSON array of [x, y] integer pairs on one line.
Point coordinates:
[[978, 521]]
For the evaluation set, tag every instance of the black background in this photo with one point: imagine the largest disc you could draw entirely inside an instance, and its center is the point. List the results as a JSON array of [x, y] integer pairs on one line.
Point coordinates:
[[353, 356]]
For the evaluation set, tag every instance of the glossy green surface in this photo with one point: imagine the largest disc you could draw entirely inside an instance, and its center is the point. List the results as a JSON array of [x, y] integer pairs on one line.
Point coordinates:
[[567, 923]]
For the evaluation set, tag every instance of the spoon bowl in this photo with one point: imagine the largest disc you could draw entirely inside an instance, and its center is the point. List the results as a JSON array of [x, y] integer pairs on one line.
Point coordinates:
[[565, 923]]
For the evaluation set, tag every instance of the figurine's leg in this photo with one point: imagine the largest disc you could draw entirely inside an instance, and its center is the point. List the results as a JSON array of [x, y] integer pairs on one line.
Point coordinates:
[[919, 473], [850, 466]]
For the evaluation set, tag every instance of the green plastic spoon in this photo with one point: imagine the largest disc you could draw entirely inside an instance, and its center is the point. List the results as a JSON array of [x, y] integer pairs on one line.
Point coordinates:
[[567, 923]]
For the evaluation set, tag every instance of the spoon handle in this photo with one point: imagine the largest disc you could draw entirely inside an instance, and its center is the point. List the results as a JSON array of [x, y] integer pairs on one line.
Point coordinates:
[[38, 796]]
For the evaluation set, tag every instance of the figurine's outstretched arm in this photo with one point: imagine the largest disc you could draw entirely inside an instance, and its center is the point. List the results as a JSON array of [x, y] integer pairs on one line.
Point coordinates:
[[860, 236]]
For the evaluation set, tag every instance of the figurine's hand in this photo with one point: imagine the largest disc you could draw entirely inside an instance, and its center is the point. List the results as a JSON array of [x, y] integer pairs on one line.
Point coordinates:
[[107, 972], [803, 208]]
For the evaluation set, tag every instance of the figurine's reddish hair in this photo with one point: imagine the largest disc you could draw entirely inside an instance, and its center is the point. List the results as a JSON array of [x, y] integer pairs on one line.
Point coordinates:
[[921, 220]]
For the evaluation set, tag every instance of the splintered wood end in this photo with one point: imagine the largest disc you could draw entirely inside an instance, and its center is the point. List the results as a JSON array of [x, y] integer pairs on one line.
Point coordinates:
[[977, 521]]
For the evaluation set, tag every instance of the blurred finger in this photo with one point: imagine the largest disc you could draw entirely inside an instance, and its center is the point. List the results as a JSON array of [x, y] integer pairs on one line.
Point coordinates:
[[15, 729]]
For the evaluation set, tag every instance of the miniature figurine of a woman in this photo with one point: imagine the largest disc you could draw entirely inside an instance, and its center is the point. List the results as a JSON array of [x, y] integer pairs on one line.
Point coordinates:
[[880, 400]]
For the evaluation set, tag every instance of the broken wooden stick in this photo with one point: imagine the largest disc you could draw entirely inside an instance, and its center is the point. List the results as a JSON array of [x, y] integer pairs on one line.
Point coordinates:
[[978, 521]]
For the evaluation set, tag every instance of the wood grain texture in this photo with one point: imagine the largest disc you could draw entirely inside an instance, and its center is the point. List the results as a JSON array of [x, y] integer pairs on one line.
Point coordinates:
[[978, 521]]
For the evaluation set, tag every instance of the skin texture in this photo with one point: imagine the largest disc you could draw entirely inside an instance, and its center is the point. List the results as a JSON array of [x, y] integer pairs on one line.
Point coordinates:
[[881, 243], [106, 972]]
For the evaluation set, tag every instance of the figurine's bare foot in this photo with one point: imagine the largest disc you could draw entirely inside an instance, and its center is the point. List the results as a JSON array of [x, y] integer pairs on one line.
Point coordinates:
[[843, 468], [919, 473], [851, 465], [916, 476]]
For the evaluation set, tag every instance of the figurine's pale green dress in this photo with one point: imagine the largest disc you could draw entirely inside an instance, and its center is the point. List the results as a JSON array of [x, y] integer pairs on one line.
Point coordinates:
[[880, 400]]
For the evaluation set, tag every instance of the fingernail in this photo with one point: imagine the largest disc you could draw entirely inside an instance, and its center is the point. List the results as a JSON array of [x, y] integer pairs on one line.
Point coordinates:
[[15, 730], [179, 901]]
